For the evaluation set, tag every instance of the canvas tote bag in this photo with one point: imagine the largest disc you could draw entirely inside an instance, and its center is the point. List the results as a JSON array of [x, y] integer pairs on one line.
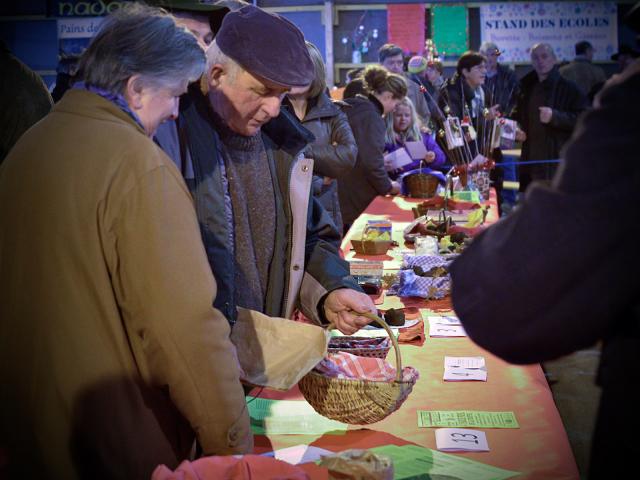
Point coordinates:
[[276, 352]]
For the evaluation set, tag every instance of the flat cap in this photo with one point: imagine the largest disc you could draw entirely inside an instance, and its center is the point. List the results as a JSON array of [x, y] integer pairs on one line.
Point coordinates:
[[417, 64], [267, 45]]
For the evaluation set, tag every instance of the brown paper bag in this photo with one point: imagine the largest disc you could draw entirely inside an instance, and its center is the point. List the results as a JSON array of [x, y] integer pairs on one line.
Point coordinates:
[[276, 352]]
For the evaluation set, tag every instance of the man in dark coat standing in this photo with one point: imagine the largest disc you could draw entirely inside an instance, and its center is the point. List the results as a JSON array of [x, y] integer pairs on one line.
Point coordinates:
[[270, 245], [547, 109]]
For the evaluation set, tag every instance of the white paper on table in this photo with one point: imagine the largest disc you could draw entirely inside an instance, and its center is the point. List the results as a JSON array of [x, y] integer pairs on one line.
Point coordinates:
[[444, 320], [299, 454], [464, 374], [461, 440], [464, 362], [397, 159], [439, 330], [416, 150]]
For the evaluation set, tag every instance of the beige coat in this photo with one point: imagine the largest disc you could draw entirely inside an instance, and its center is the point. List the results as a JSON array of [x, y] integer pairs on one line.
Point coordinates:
[[111, 354]]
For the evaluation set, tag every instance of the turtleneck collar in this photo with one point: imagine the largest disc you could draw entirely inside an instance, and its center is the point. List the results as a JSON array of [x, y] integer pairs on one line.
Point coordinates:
[[232, 139]]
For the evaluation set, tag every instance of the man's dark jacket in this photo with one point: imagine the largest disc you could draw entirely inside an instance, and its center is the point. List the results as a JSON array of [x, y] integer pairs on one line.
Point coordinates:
[[284, 138], [567, 102], [560, 273]]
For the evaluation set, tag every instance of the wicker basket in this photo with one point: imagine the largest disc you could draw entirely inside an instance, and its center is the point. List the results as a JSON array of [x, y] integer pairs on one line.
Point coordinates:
[[357, 402], [421, 185], [370, 247], [342, 344]]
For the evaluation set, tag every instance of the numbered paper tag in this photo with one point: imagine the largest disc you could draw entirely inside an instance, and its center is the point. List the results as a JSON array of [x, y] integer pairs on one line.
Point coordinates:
[[464, 362], [461, 440], [438, 330], [445, 320], [462, 369]]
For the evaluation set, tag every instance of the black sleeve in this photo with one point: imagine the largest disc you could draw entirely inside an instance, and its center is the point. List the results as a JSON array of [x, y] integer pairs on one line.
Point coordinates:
[[575, 102], [339, 156], [555, 276], [369, 133]]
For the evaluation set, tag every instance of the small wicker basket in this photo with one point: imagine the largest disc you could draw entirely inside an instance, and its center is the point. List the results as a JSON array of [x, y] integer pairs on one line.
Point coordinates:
[[370, 247], [357, 402], [421, 185], [344, 344]]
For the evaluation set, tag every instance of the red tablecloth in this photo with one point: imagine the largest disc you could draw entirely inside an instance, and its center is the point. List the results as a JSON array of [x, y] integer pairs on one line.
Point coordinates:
[[539, 449]]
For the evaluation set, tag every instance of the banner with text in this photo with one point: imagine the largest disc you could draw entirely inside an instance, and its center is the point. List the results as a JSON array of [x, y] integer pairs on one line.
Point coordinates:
[[515, 27]]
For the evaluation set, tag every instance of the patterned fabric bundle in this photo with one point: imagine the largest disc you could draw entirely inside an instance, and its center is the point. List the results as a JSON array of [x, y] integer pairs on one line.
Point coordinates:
[[346, 366], [412, 285]]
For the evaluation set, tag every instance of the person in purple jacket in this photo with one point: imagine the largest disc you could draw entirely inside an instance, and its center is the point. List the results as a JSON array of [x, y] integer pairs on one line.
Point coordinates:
[[403, 126]]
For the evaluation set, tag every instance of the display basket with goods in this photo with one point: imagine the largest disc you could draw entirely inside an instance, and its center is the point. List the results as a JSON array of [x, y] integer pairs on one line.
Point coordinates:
[[372, 242], [421, 185], [423, 226], [355, 401]]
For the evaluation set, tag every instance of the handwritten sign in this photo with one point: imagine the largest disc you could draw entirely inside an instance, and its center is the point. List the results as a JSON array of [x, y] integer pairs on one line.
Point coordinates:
[[461, 440]]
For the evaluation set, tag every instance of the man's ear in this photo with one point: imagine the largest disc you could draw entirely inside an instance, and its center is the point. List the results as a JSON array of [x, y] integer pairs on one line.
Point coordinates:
[[133, 92], [214, 78]]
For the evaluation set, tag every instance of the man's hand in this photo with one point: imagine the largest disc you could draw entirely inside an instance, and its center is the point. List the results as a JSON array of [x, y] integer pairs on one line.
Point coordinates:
[[521, 135], [545, 114], [430, 157], [341, 307], [395, 188]]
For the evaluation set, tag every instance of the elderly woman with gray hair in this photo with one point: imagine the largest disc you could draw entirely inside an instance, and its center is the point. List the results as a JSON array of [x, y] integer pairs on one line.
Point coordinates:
[[112, 358]]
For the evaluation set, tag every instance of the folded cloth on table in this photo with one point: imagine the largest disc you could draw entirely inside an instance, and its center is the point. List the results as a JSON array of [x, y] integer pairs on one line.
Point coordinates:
[[246, 467], [351, 367], [413, 335], [426, 262], [412, 285]]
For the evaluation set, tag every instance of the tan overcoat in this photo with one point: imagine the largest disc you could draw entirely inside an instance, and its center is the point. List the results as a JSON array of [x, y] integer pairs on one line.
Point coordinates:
[[111, 354]]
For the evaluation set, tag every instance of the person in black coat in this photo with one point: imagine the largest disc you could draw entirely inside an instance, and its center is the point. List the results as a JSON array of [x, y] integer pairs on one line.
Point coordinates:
[[556, 275], [547, 108], [369, 178]]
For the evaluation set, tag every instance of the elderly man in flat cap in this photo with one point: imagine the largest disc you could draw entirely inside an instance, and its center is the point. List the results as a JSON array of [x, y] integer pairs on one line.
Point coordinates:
[[271, 246]]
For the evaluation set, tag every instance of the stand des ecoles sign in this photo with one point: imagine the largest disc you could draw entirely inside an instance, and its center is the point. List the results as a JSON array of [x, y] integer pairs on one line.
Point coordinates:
[[515, 27]]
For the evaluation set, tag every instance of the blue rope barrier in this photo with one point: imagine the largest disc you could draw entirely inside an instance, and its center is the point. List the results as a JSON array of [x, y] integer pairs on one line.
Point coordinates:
[[500, 164]]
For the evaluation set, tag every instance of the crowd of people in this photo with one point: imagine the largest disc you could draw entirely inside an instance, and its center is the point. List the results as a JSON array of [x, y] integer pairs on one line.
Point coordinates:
[[188, 171]]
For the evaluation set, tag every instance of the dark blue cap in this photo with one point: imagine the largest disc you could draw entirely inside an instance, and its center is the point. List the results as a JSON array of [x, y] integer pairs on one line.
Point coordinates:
[[267, 45]]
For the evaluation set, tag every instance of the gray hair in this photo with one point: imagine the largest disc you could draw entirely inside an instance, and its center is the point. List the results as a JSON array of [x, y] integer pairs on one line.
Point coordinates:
[[145, 41], [544, 46], [215, 55], [487, 46]]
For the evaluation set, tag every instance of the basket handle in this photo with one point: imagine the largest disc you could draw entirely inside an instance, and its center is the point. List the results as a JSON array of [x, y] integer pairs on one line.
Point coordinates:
[[363, 242], [394, 341]]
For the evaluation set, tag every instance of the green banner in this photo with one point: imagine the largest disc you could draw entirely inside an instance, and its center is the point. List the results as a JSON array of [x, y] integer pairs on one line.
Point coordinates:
[[450, 29]]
